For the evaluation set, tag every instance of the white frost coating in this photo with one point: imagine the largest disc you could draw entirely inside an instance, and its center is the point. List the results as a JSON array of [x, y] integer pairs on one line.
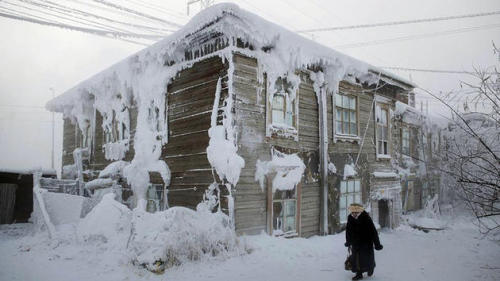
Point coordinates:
[[109, 221], [349, 171], [289, 169], [221, 150], [115, 168], [141, 80], [331, 168], [385, 175], [115, 150], [96, 183], [63, 208]]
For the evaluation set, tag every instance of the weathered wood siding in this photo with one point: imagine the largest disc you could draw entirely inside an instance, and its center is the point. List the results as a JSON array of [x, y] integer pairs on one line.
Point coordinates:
[[250, 105], [344, 151], [70, 131], [190, 100]]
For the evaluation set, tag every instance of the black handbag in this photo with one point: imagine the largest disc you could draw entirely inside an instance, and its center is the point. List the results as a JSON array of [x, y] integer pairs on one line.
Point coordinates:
[[348, 263]]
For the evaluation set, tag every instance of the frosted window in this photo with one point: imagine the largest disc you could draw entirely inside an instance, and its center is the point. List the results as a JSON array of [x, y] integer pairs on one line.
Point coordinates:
[[350, 192], [345, 115]]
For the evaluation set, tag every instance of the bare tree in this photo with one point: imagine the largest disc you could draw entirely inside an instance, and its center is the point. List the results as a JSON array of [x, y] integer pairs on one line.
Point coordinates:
[[473, 148]]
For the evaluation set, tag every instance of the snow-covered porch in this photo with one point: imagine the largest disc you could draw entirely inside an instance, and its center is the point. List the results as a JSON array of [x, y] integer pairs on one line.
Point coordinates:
[[385, 199]]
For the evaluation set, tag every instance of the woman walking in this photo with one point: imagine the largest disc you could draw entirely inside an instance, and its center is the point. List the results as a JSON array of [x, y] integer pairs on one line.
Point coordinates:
[[361, 236]]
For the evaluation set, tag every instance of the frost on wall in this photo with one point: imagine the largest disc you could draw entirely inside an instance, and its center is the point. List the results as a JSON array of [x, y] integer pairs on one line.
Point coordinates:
[[141, 81], [349, 171], [289, 169], [222, 150]]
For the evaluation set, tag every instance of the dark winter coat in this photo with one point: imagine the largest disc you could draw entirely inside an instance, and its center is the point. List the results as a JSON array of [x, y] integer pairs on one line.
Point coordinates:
[[361, 236]]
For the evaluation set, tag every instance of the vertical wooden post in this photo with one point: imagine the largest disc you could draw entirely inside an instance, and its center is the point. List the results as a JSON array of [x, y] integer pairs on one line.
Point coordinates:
[[269, 186], [323, 152]]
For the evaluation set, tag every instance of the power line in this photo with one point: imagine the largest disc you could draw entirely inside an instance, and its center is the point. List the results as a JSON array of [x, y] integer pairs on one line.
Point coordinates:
[[427, 70], [419, 36], [125, 9], [104, 33], [400, 22]]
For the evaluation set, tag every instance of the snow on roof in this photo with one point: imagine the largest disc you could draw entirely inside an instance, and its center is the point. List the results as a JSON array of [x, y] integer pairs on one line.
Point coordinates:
[[276, 43], [28, 171]]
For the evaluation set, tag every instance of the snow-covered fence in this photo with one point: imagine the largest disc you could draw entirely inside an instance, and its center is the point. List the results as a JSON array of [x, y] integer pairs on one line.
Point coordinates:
[[60, 186]]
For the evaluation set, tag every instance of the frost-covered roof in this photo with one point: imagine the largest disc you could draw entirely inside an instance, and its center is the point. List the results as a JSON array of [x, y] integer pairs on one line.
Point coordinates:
[[283, 49]]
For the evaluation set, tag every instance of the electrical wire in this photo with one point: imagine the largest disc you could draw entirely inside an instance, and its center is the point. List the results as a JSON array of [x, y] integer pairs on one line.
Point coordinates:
[[392, 23], [419, 36]]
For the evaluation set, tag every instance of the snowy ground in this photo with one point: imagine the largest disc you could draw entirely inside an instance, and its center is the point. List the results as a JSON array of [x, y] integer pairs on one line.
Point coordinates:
[[457, 253]]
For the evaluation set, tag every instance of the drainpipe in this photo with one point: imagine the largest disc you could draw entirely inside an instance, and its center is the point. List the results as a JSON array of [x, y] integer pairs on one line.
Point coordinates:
[[323, 152]]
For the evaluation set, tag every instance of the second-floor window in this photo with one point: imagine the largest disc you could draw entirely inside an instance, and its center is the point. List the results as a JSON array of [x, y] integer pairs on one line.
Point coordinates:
[[382, 121], [405, 141], [346, 115], [283, 110]]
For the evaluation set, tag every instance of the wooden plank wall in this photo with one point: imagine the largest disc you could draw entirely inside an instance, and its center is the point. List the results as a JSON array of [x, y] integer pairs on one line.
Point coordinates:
[[190, 101], [69, 141], [250, 104]]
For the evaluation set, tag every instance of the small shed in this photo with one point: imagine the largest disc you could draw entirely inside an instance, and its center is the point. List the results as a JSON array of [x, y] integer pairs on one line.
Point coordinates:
[[16, 194]]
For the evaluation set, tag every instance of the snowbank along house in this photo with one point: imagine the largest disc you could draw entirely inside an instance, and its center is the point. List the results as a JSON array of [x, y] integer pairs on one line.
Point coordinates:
[[279, 132]]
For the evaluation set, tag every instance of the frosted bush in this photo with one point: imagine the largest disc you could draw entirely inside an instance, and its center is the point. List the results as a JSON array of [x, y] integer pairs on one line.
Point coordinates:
[[177, 235]]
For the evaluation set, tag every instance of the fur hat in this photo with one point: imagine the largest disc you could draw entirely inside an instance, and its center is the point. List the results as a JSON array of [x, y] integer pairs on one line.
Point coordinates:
[[356, 208]]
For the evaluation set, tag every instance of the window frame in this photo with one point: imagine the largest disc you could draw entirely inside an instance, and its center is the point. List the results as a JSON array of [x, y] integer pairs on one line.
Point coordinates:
[[283, 129], [270, 209], [383, 106], [342, 135], [344, 212]]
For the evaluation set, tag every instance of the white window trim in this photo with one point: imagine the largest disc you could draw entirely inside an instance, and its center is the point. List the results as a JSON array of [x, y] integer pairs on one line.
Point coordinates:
[[340, 136], [378, 102], [281, 130], [343, 219]]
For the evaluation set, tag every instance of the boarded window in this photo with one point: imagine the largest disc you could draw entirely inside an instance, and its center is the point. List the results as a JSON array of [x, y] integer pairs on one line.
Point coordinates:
[[350, 192], [346, 115]]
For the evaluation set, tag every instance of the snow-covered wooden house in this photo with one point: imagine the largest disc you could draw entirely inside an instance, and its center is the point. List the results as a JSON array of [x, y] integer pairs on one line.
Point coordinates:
[[276, 130]]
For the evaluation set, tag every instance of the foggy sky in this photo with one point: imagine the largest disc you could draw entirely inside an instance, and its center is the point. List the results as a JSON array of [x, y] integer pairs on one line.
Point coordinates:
[[35, 58]]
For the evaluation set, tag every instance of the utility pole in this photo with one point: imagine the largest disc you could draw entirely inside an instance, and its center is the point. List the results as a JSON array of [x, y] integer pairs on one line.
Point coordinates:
[[203, 4], [53, 128]]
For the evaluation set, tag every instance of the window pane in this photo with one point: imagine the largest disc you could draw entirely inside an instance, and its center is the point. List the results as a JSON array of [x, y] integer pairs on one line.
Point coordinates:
[[277, 216], [357, 186], [346, 116], [357, 198], [338, 128], [278, 117], [343, 187], [338, 114], [353, 116], [349, 200], [343, 215], [343, 202], [350, 186], [385, 148], [354, 129], [290, 208], [352, 103], [346, 127], [345, 102], [289, 119], [384, 116], [279, 102]]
